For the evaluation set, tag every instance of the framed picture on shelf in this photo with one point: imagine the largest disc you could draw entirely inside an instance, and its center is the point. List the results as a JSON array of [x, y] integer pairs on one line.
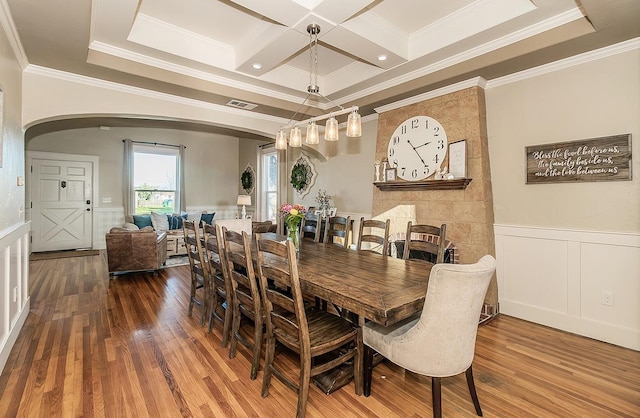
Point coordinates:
[[333, 211], [390, 174], [458, 159]]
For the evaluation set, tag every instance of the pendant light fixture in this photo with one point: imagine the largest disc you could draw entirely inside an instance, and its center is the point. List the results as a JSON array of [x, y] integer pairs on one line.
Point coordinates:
[[354, 124]]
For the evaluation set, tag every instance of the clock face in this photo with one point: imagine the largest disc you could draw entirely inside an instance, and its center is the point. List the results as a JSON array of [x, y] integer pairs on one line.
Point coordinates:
[[417, 148]]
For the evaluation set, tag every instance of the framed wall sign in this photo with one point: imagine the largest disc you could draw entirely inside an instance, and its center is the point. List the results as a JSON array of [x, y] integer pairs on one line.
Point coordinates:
[[458, 159], [606, 158]]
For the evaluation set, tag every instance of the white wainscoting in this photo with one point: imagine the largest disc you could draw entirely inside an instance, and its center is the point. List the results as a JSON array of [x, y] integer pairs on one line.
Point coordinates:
[[559, 277], [14, 285]]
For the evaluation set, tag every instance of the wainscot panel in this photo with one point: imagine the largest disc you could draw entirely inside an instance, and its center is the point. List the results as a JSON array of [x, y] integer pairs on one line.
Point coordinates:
[[584, 282], [14, 285]]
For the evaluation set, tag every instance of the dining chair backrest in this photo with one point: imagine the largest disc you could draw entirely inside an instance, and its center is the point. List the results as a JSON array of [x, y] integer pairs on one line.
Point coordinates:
[[366, 235], [262, 227], [221, 289], [310, 227], [337, 227], [432, 242], [199, 268], [441, 341], [448, 325], [246, 294]]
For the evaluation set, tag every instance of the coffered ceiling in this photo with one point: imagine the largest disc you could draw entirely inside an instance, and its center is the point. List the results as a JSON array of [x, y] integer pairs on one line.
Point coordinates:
[[257, 51]]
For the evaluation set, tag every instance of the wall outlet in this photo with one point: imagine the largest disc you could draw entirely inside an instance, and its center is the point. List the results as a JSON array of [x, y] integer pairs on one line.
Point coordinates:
[[106, 200], [607, 298]]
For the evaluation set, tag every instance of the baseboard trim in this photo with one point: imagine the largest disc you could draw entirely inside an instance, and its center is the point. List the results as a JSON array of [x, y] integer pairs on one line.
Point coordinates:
[[13, 335]]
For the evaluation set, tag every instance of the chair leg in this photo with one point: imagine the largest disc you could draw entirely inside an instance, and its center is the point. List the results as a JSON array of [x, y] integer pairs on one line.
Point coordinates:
[[303, 386], [357, 365], [436, 396], [213, 303], [368, 369], [228, 318], [257, 346], [268, 361], [235, 329], [472, 390]]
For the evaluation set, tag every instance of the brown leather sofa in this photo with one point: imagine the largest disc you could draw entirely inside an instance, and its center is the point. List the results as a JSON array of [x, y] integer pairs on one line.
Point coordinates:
[[143, 249]]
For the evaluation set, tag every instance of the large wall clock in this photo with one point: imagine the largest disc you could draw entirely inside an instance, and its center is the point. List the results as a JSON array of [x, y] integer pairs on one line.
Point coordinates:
[[417, 148]]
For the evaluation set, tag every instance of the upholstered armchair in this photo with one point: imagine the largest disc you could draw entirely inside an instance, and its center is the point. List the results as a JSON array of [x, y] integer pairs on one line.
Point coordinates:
[[440, 342], [135, 250]]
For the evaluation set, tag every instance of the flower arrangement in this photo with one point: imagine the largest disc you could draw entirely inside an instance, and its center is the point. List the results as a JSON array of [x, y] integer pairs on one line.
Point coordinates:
[[324, 200], [293, 215]]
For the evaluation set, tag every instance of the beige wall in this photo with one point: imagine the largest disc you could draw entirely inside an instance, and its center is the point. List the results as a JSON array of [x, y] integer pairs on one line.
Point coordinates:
[[12, 140], [347, 174], [562, 247], [211, 160], [595, 99]]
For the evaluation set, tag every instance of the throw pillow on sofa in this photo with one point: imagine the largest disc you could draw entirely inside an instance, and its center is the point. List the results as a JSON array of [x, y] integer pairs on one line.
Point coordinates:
[[175, 221], [159, 221], [142, 220]]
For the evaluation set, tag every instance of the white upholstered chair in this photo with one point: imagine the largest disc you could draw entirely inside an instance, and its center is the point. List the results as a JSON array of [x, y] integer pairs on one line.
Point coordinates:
[[440, 342]]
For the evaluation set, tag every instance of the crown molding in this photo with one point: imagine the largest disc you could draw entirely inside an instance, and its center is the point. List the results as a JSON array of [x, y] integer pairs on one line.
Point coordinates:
[[504, 41], [12, 34], [123, 88], [595, 55]]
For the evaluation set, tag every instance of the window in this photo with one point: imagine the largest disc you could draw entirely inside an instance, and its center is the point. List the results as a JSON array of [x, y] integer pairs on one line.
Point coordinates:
[[155, 179], [269, 185]]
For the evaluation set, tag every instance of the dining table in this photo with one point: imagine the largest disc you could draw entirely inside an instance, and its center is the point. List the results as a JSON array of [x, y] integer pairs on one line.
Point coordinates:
[[381, 289]]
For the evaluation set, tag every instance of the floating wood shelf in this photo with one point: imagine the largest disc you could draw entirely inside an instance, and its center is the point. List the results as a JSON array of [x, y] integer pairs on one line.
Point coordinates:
[[455, 184]]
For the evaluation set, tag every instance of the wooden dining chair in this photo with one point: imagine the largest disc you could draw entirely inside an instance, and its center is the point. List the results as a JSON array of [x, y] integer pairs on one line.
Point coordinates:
[[380, 241], [337, 227], [262, 227], [246, 295], [440, 341], [310, 227], [309, 333], [221, 299], [433, 243], [199, 269]]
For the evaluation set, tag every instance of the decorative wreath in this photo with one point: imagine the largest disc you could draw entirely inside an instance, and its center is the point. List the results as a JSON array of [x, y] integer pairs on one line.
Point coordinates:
[[302, 175], [247, 179]]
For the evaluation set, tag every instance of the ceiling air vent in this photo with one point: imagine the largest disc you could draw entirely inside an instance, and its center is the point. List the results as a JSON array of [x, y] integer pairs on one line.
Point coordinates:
[[242, 105]]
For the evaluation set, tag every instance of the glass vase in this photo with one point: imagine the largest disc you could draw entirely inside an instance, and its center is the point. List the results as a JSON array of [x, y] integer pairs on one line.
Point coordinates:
[[293, 235]]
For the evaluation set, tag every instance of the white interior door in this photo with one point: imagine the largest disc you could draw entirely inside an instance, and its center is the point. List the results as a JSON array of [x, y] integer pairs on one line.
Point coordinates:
[[61, 197]]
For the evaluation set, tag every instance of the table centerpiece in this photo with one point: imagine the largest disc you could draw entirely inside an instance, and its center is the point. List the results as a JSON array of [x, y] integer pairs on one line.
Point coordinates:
[[293, 215]]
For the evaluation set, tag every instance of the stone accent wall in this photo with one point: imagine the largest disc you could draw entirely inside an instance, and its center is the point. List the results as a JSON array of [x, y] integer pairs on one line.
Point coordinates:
[[468, 213]]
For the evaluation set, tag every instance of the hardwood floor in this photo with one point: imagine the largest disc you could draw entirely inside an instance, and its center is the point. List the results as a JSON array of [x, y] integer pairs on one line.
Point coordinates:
[[126, 348]]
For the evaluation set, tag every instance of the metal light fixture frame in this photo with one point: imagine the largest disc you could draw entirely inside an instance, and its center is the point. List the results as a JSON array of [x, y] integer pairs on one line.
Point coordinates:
[[354, 126]]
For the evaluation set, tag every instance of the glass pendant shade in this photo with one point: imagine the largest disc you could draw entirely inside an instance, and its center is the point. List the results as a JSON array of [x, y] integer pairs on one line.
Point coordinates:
[[295, 137], [354, 125], [331, 130], [281, 139], [312, 134]]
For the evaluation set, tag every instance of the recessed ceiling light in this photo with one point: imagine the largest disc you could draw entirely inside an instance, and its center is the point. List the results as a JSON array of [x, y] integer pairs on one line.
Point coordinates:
[[382, 57], [257, 66]]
